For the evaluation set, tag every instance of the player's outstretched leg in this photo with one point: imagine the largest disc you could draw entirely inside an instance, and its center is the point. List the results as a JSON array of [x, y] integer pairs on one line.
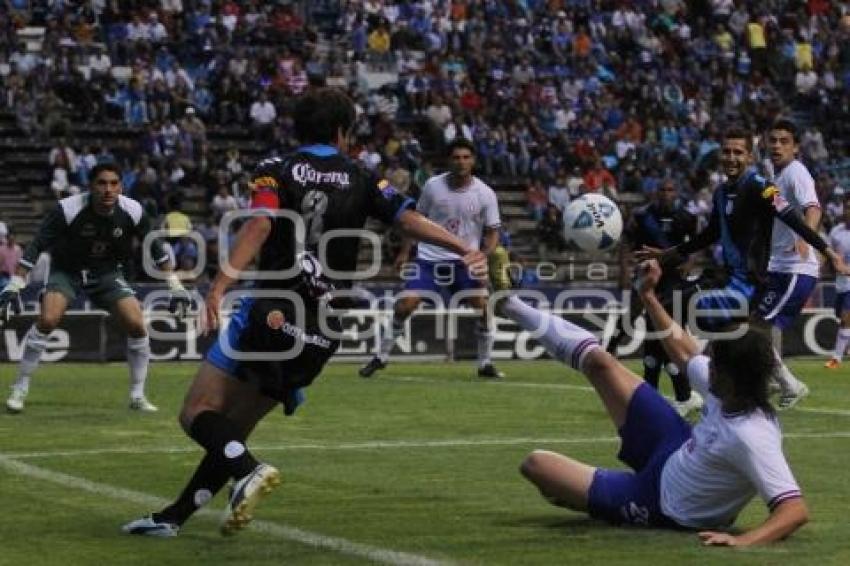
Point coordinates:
[[578, 348]]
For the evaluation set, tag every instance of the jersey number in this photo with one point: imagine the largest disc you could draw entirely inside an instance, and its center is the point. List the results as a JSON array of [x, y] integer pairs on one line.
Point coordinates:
[[313, 208]]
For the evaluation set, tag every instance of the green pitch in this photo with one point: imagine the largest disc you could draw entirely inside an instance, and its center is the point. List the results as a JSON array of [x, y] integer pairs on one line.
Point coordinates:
[[415, 465]]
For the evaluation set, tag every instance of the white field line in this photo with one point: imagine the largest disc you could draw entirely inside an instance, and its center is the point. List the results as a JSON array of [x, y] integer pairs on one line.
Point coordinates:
[[316, 540], [822, 411], [376, 445], [567, 386], [479, 381]]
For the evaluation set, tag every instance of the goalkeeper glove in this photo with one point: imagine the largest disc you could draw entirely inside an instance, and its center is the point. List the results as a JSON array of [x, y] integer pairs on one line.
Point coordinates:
[[181, 299], [10, 298]]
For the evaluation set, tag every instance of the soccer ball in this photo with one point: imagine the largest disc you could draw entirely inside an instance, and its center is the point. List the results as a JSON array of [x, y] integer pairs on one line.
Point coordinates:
[[592, 223]]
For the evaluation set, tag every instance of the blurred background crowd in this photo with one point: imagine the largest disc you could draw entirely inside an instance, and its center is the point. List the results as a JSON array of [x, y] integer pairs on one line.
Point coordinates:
[[561, 97]]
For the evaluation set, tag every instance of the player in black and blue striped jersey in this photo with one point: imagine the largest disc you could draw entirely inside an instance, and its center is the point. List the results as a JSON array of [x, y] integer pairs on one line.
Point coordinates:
[[744, 209]]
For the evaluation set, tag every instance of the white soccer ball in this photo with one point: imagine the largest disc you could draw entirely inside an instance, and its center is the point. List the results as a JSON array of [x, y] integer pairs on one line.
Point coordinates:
[[593, 223]]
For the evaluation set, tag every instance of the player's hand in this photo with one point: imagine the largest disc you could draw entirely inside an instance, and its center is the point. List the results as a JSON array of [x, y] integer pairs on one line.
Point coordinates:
[[180, 302], [648, 276], [211, 315], [837, 261], [10, 298], [714, 538], [398, 263], [648, 252], [476, 262]]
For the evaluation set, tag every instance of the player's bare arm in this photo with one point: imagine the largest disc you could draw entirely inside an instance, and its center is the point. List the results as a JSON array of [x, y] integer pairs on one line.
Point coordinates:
[[786, 518], [416, 226], [403, 254], [490, 239], [678, 344], [248, 243]]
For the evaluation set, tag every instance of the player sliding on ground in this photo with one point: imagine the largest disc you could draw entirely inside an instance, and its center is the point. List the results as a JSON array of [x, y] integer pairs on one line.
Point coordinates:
[[694, 478]]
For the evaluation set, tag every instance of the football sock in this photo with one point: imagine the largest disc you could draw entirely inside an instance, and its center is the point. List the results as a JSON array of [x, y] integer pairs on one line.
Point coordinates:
[[34, 345], [388, 338], [784, 377], [486, 338], [208, 479], [223, 440], [651, 371], [681, 385], [138, 358], [842, 339], [563, 340]]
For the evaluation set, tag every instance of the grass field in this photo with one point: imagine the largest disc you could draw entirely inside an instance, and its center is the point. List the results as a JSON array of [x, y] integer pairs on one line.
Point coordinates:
[[416, 465]]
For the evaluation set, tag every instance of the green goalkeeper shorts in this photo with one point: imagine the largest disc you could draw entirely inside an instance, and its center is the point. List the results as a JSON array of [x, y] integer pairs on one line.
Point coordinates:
[[104, 289]]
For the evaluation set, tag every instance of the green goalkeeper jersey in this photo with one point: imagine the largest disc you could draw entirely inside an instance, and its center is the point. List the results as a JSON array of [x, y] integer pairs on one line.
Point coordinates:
[[79, 239]]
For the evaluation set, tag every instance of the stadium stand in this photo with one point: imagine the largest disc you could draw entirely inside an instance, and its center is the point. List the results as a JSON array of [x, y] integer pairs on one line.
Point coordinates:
[[583, 94]]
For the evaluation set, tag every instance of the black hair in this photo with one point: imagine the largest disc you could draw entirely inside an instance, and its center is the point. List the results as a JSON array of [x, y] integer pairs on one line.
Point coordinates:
[[321, 113], [746, 364], [460, 143], [101, 167], [739, 133], [787, 125]]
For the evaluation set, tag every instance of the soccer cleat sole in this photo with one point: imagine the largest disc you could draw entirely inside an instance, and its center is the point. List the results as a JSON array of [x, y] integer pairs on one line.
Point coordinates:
[[243, 513]]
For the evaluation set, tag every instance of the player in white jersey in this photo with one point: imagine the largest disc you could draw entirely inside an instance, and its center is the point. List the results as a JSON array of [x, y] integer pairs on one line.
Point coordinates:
[[694, 478], [839, 240], [793, 270], [467, 207]]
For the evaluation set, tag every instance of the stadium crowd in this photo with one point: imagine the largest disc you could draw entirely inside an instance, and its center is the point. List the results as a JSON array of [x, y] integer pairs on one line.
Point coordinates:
[[568, 96]]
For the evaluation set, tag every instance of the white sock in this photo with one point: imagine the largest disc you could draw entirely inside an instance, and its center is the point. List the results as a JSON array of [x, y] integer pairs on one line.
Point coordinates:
[[783, 376], [563, 340], [34, 345], [389, 335], [486, 338], [842, 339], [138, 358]]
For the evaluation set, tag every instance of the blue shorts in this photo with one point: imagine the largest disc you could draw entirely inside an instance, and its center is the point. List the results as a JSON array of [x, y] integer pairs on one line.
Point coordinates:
[[263, 325], [784, 297], [735, 296], [652, 432], [842, 303], [438, 276]]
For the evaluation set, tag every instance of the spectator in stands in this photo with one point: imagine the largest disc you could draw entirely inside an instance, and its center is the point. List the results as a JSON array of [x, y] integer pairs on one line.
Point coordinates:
[[192, 125], [263, 115], [369, 156], [550, 233], [493, 153], [10, 254], [598, 179], [813, 147], [558, 192], [455, 128], [379, 47], [223, 201], [536, 200], [62, 156]]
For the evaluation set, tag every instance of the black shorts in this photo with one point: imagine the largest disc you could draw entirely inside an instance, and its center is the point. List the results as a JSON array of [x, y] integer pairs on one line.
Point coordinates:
[[264, 329]]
